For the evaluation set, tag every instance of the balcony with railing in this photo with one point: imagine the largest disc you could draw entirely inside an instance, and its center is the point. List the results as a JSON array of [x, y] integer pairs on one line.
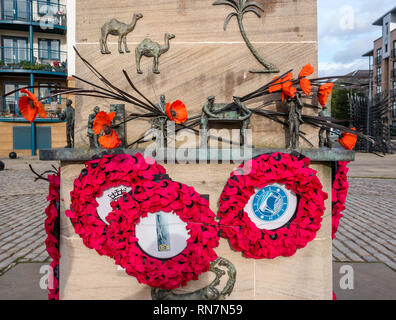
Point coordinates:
[[378, 79], [9, 110], [44, 14], [378, 60], [393, 54], [44, 61]]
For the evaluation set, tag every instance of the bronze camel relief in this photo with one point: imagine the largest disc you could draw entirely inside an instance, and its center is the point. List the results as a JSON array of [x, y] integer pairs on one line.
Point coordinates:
[[151, 49], [120, 29]]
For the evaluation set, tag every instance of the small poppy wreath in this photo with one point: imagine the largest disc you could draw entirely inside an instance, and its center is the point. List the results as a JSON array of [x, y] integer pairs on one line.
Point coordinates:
[[147, 198], [294, 173], [98, 176], [339, 193], [51, 226]]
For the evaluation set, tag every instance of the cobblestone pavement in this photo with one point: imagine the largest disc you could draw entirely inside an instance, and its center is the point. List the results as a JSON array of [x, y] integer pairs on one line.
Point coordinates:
[[367, 232], [22, 205]]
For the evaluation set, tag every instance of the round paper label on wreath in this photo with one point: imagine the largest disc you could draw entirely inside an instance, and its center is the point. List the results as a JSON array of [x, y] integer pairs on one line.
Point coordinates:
[[272, 207], [108, 196], [162, 235]]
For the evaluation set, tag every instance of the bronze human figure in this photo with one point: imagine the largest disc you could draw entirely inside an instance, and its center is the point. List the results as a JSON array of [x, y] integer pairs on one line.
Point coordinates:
[[235, 112], [69, 116], [120, 29], [148, 48], [324, 132], [294, 120], [93, 139]]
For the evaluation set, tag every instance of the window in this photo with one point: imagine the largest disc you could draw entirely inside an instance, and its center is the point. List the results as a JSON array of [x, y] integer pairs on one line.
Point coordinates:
[[379, 74], [394, 109], [49, 49], [48, 7], [10, 103], [379, 52], [394, 69], [379, 90], [45, 92], [14, 10], [14, 50]]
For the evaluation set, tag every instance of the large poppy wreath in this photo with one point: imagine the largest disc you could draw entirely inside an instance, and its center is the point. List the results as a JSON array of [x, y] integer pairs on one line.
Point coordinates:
[[256, 196], [339, 193], [147, 200], [108, 177]]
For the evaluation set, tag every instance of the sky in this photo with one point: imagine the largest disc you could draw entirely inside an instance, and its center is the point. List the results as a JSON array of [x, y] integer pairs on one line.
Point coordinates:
[[346, 32]]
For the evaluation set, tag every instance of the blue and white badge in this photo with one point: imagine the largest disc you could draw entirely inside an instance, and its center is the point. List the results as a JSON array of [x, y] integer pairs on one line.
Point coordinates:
[[271, 207]]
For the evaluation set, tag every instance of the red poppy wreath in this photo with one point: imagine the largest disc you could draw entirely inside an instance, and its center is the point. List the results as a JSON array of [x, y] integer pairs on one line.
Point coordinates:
[[101, 182], [271, 206], [52, 230], [339, 193], [163, 233]]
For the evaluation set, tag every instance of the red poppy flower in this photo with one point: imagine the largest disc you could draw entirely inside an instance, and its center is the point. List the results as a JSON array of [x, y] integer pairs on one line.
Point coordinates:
[[305, 84], [110, 141], [286, 85], [324, 93], [30, 106], [348, 140], [102, 123], [102, 120], [177, 111]]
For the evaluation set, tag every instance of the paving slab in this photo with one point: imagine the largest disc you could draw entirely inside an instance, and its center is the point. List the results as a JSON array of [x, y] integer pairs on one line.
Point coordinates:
[[23, 283], [371, 281]]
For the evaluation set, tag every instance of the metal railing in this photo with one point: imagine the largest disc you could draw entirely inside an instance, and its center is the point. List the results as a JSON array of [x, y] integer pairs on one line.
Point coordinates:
[[378, 60], [378, 79], [43, 60], [41, 12]]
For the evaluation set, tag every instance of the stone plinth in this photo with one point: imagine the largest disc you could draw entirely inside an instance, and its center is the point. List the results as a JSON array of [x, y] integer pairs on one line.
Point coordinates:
[[307, 275]]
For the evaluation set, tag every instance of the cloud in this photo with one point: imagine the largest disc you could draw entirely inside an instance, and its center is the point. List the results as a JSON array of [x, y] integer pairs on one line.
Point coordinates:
[[337, 68], [345, 32], [353, 49]]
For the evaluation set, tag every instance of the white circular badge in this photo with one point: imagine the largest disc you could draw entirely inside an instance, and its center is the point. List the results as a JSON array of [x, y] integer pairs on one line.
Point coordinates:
[[108, 196], [162, 235], [271, 207]]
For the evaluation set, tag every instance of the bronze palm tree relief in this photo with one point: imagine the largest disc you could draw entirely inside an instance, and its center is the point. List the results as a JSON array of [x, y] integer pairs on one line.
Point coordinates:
[[241, 7]]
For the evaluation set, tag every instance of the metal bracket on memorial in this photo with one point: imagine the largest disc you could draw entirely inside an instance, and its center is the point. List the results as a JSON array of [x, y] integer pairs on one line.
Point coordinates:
[[210, 292]]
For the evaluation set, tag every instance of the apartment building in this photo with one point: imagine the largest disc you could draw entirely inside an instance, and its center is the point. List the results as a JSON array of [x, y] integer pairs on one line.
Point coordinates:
[[383, 64], [32, 52]]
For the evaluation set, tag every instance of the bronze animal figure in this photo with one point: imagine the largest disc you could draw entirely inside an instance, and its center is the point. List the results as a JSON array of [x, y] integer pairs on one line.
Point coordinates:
[[150, 49], [120, 29]]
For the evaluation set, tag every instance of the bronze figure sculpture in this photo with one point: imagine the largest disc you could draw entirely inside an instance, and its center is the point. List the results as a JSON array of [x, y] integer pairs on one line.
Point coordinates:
[[159, 122], [325, 132], [210, 292], [69, 116], [241, 7], [120, 29], [235, 112], [93, 138], [151, 49], [294, 120]]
